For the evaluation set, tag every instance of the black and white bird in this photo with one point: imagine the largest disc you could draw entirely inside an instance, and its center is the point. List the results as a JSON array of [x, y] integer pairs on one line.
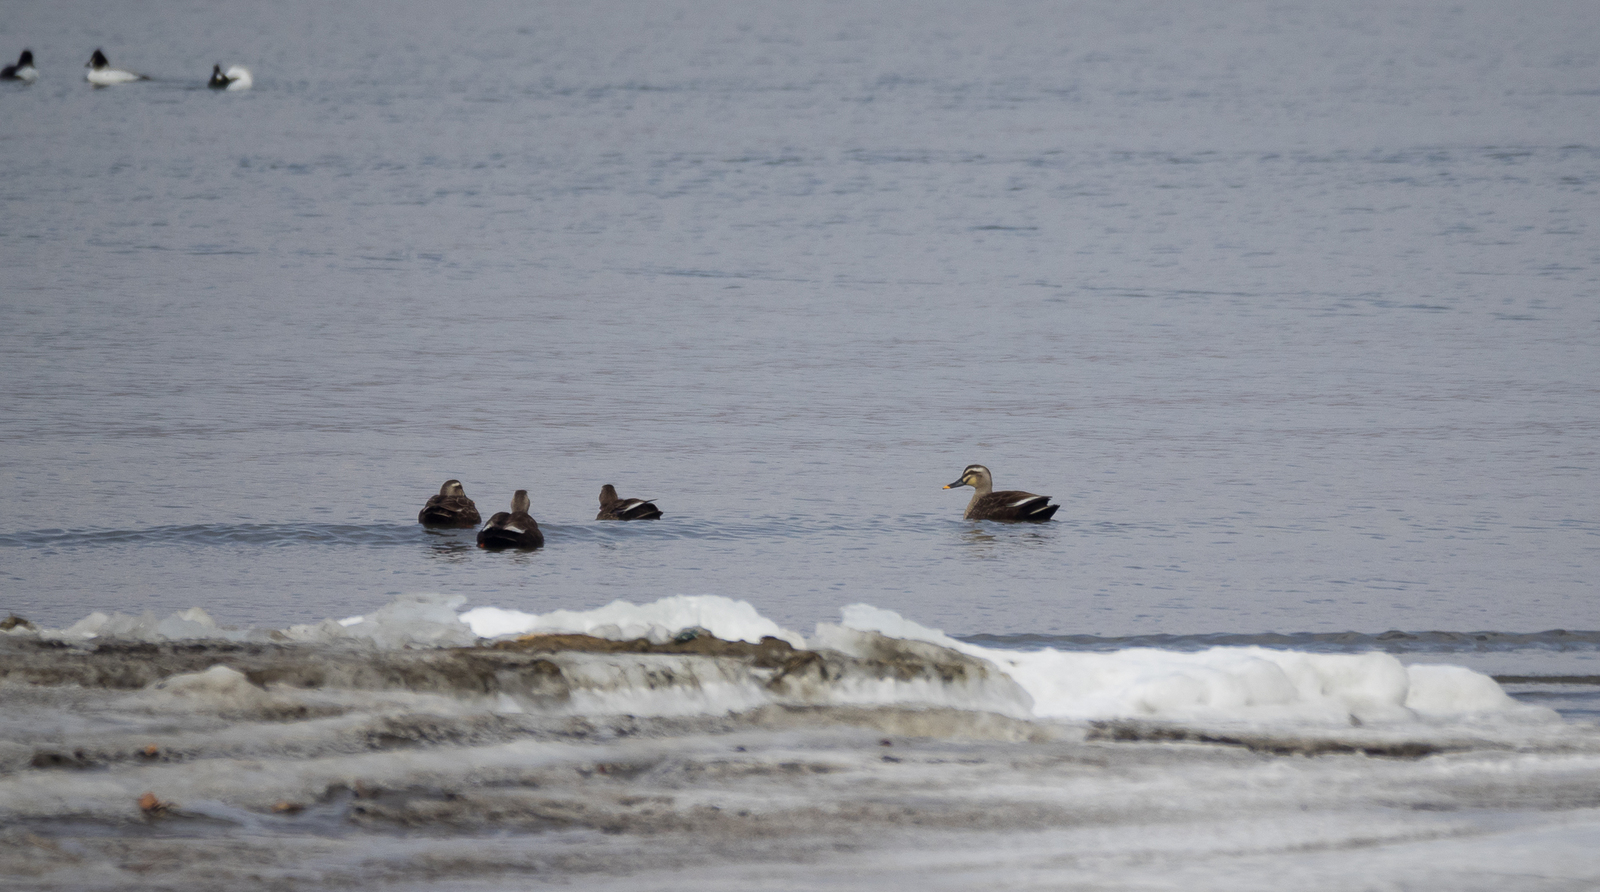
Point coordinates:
[[101, 74], [450, 508], [1007, 505], [614, 507], [517, 529], [237, 77], [22, 71]]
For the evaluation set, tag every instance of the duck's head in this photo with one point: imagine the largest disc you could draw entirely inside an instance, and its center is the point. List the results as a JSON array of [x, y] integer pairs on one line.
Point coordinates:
[[519, 501], [218, 79], [608, 494], [452, 488], [26, 59], [98, 60], [975, 476]]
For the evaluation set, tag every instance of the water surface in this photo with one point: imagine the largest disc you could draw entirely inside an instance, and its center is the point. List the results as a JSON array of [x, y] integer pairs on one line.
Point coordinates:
[[1291, 308]]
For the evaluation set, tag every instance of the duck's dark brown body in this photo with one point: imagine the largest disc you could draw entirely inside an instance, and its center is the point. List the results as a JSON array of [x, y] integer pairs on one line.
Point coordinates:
[[450, 509], [514, 529], [1009, 505], [613, 507]]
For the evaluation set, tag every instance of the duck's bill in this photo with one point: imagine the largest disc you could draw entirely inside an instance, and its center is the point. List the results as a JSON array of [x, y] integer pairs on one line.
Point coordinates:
[[961, 482]]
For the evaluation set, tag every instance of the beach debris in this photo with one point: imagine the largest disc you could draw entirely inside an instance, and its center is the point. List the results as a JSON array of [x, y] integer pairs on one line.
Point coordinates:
[[152, 806]]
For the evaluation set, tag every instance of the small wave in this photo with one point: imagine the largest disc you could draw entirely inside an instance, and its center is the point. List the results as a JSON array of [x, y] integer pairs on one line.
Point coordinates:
[[383, 534], [1394, 642], [224, 534]]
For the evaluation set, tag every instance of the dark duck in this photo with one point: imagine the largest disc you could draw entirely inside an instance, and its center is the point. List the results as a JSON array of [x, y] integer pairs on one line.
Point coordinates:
[[517, 529], [450, 509], [1008, 505], [22, 71], [614, 507]]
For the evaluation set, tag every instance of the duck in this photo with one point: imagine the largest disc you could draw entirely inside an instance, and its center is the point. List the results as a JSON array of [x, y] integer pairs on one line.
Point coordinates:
[[101, 74], [614, 507], [237, 77], [450, 508], [516, 529], [22, 71], [1007, 505]]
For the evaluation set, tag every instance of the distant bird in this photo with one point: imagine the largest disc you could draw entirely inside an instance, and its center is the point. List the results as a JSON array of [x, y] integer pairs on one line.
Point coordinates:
[[101, 74], [515, 530], [237, 77], [1008, 505], [613, 507], [22, 71], [450, 508]]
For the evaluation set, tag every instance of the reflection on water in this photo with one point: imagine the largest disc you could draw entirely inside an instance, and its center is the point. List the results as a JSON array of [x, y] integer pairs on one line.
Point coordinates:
[[455, 548], [978, 536]]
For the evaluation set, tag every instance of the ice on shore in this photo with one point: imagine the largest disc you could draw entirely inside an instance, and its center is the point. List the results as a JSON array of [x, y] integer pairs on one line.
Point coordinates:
[[657, 621], [1249, 684]]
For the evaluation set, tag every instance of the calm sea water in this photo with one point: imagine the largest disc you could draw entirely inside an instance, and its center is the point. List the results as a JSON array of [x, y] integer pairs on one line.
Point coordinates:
[[1294, 309]]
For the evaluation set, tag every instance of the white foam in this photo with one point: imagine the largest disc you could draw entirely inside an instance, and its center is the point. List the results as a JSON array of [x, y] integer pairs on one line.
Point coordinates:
[[409, 620], [1249, 684], [1453, 690], [657, 621]]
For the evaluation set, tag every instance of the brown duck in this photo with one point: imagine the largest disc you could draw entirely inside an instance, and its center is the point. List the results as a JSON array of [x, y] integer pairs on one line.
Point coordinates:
[[517, 529], [1008, 505], [614, 507], [450, 508]]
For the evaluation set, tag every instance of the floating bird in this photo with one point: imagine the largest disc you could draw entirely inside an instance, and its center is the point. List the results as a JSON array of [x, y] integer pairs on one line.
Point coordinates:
[[1009, 505], [101, 74], [517, 529], [450, 508], [613, 507], [237, 77], [22, 71]]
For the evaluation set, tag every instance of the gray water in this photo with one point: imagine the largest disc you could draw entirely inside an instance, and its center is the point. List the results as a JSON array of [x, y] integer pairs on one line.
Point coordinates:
[[1292, 308]]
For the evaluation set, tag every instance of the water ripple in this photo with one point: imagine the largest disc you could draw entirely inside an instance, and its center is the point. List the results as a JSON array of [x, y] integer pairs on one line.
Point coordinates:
[[1314, 642], [389, 534]]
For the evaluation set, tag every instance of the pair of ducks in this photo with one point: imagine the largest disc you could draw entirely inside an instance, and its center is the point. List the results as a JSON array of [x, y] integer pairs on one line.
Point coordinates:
[[516, 528], [101, 74]]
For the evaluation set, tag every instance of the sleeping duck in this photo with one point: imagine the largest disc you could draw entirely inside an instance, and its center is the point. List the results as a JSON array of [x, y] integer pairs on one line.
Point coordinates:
[[614, 507], [22, 71], [517, 529], [450, 508], [237, 77], [101, 74], [1008, 505]]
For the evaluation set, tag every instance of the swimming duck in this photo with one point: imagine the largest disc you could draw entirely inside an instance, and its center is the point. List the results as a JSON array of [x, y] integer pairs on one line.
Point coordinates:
[[450, 508], [101, 74], [517, 529], [237, 77], [613, 507], [1009, 505], [22, 71]]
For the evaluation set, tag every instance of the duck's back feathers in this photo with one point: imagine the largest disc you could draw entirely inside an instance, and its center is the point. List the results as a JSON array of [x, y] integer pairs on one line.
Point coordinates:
[[613, 507], [450, 509], [516, 529], [22, 71], [1011, 505]]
